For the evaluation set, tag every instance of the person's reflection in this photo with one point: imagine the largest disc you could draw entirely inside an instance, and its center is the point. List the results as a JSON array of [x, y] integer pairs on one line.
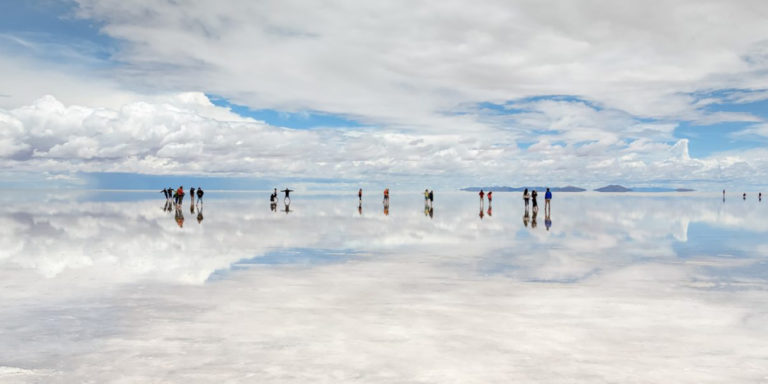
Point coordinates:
[[179, 217], [431, 212], [168, 206], [273, 206], [200, 214], [548, 221], [360, 208], [482, 212], [526, 218], [386, 206], [192, 209], [426, 207], [288, 206], [533, 218], [490, 210]]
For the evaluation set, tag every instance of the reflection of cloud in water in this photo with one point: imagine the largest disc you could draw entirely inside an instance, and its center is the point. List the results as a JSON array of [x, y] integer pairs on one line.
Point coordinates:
[[646, 289]]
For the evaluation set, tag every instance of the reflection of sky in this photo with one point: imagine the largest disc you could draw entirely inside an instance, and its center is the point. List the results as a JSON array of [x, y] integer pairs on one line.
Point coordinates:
[[626, 287]]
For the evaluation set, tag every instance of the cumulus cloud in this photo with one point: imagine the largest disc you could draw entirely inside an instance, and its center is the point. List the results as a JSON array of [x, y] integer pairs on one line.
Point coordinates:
[[187, 134]]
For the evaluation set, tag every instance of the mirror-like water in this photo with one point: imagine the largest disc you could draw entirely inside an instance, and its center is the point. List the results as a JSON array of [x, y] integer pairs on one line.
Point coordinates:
[[608, 288]]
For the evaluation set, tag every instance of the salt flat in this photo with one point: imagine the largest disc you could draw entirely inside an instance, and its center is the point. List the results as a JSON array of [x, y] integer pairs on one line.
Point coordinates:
[[647, 288]]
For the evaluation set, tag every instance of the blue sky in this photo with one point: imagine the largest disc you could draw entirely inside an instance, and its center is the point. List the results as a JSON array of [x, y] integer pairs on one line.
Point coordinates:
[[256, 91]]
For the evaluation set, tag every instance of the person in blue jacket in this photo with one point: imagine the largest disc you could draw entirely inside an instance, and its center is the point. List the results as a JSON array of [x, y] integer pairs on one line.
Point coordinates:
[[547, 206]]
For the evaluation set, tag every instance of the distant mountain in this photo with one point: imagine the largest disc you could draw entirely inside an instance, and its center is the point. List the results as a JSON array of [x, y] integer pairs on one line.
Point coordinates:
[[613, 188], [684, 190], [569, 188], [661, 189]]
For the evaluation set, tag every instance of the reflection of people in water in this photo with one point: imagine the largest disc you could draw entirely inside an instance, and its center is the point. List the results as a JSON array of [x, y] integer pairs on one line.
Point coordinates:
[[431, 212], [547, 220], [273, 206], [533, 217], [426, 208], [490, 210], [386, 208], [360, 208], [534, 203], [431, 198], [200, 214], [481, 212], [179, 216], [168, 206], [744, 196], [288, 206], [525, 218], [192, 207]]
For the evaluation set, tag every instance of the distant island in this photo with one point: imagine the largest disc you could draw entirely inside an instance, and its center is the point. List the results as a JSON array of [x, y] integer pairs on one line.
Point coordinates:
[[620, 188], [613, 188], [569, 188]]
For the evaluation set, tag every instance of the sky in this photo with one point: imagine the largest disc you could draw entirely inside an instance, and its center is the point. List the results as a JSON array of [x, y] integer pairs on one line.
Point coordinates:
[[445, 93]]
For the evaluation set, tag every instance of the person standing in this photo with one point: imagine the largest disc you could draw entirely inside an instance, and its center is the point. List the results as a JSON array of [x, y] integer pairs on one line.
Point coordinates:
[[360, 195], [431, 199], [199, 195], [180, 194], [535, 204], [526, 198], [165, 192], [490, 199], [482, 195], [192, 195], [547, 206], [386, 196]]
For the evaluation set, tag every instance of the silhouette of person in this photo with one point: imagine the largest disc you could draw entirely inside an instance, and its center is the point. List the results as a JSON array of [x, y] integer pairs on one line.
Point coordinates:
[[431, 198], [165, 192], [386, 197], [287, 197], [547, 206], [360, 195], [534, 203], [482, 195], [200, 195], [526, 198], [180, 195], [490, 197], [192, 195], [760, 196], [273, 196], [744, 196]]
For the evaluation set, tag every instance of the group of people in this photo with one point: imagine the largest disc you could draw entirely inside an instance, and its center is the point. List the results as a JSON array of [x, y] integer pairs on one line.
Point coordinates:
[[174, 199], [178, 195], [744, 196], [534, 203]]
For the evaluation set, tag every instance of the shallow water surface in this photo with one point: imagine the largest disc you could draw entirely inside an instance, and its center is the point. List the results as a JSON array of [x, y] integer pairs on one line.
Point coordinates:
[[119, 287]]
